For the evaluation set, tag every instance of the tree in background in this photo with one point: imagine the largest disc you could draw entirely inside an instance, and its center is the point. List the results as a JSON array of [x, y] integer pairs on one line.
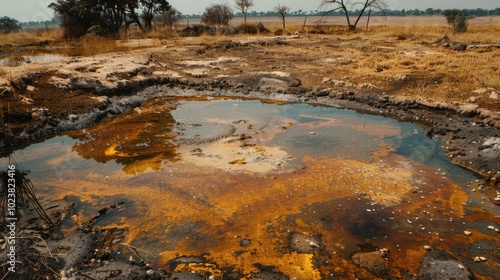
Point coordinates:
[[150, 8], [170, 17], [8, 25], [346, 5], [217, 14], [457, 19], [243, 6], [281, 11], [78, 17]]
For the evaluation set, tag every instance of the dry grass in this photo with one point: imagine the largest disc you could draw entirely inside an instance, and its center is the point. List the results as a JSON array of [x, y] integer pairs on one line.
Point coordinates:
[[31, 37], [92, 45], [406, 58]]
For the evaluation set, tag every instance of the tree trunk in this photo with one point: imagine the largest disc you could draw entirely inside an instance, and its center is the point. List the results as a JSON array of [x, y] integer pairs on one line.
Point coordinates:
[[368, 20], [346, 12]]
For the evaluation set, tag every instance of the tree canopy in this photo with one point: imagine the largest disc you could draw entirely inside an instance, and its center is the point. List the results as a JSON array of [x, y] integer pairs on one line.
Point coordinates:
[[106, 17], [217, 14], [457, 19], [8, 25]]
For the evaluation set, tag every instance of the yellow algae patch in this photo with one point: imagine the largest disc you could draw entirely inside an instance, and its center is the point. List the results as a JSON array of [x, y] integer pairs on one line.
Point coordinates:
[[111, 151]]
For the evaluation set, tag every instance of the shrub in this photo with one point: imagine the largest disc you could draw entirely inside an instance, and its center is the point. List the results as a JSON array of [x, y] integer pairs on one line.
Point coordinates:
[[250, 28], [457, 19], [218, 14]]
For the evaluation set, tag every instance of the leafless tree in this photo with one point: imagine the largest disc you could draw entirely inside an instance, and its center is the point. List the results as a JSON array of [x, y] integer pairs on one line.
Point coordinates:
[[243, 6], [346, 5], [281, 11]]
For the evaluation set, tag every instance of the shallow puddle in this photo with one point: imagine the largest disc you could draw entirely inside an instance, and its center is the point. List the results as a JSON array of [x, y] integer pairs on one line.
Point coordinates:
[[249, 184]]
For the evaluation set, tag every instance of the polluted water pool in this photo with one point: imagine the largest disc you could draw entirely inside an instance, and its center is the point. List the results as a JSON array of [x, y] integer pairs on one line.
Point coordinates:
[[230, 187]]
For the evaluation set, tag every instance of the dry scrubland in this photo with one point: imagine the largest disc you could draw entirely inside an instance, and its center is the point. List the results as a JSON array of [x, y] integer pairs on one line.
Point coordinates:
[[397, 55]]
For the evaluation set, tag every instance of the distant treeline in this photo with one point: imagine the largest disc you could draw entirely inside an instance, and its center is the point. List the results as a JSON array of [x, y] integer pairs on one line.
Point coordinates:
[[417, 12], [56, 20], [300, 13]]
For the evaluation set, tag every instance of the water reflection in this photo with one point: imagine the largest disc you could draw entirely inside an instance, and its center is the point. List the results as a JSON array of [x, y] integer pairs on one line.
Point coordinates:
[[237, 181]]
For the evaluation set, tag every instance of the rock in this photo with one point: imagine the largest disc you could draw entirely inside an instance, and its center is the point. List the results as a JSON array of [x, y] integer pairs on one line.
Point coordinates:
[[440, 265], [303, 243], [76, 249], [186, 276], [245, 242], [375, 262], [459, 47], [197, 73], [271, 85]]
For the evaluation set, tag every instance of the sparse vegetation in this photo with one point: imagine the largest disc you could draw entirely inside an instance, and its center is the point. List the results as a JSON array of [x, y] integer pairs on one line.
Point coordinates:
[[361, 56]]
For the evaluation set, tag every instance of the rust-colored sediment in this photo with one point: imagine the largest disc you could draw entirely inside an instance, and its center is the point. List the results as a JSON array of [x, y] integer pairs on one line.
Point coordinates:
[[207, 202], [388, 202]]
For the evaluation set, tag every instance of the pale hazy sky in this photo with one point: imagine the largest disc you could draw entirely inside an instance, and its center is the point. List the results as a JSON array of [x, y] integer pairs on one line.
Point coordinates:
[[36, 10]]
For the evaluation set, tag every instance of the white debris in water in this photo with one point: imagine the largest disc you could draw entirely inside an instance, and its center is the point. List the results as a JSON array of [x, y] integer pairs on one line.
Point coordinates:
[[468, 233], [491, 227], [313, 245], [427, 247]]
